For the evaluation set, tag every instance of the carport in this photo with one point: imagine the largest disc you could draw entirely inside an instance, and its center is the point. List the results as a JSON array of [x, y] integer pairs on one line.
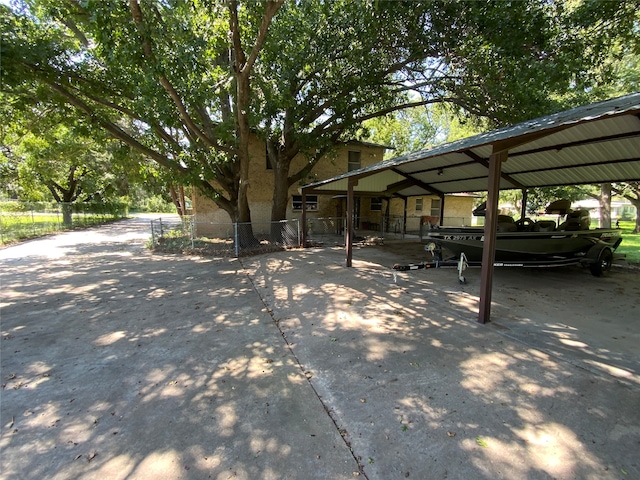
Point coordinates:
[[591, 144]]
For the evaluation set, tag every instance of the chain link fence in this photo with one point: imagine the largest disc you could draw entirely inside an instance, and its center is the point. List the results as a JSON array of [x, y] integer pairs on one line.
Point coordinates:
[[22, 220], [240, 239], [224, 239], [329, 231]]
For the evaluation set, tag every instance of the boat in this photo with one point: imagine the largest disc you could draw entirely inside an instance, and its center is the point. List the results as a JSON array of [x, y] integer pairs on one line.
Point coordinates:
[[531, 243]]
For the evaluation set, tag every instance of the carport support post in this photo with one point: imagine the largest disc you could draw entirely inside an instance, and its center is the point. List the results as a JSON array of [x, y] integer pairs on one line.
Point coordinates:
[[490, 227], [523, 210], [349, 234], [404, 218]]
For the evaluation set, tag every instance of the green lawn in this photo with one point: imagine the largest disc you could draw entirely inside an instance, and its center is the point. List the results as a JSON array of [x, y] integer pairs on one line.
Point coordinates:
[[630, 245], [16, 226]]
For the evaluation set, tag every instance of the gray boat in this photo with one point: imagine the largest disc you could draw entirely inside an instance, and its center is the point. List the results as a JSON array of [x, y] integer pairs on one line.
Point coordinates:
[[531, 243]]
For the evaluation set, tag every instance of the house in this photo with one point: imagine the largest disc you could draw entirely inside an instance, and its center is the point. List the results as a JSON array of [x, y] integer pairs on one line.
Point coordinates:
[[369, 210], [621, 209]]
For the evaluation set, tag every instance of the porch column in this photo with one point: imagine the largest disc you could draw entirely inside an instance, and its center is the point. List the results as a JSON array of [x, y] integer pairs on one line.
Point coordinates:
[[523, 210], [303, 237], [441, 209], [404, 219]]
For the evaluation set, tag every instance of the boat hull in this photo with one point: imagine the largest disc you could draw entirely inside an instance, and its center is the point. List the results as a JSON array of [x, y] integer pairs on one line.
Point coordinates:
[[523, 246]]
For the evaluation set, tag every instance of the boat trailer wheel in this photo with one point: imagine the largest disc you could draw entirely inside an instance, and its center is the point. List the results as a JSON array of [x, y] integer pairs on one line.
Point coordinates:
[[601, 257]]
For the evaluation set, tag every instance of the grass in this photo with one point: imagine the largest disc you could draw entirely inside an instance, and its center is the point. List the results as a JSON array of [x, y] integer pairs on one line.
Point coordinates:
[[630, 245], [17, 226]]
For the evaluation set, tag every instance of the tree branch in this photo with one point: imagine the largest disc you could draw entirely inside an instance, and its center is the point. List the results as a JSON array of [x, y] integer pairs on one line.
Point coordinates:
[[116, 131], [271, 9], [136, 13]]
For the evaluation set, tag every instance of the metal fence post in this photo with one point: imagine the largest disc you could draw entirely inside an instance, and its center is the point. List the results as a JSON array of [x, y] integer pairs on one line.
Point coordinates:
[[236, 240], [192, 224]]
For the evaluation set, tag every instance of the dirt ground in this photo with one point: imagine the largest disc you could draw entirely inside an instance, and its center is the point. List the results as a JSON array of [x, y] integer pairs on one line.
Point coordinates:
[[120, 363]]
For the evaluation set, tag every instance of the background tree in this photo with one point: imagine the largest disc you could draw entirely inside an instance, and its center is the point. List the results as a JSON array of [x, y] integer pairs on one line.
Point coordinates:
[[68, 165], [50, 155], [406, 131], [630, 191]]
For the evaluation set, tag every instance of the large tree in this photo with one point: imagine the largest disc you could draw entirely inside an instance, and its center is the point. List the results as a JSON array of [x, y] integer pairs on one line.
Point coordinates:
[[177, 75], [195, 79], [336, 64]]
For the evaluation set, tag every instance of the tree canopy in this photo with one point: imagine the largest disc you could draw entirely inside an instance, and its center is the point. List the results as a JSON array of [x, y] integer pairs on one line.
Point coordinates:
[[186, 83]]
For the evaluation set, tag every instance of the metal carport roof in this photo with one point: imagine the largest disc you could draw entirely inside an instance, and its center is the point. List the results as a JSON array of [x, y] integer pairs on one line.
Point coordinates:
[[591, 144]]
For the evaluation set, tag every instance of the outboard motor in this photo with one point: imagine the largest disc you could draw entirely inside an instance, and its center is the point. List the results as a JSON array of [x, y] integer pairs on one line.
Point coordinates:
[[480, 210]]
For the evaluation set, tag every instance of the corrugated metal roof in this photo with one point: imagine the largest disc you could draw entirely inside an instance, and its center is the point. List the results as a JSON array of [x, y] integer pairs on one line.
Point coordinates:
[[591, 144]]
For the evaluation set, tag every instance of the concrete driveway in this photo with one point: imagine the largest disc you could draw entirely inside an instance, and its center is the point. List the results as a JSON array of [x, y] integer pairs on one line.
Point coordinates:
[[117, 363]]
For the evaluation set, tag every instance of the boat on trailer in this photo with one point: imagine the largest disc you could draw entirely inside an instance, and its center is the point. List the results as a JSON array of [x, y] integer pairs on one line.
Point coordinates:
[[526, 243]]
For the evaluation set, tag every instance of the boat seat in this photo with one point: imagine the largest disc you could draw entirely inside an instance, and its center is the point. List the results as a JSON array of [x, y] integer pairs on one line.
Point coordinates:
[[577, 220], [544, 226], [506, 224]]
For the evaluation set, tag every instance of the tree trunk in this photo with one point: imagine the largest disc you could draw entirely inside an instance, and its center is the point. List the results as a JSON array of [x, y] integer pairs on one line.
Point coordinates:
[[280, 194], [178, 199], [67, 214], [605, 205], [280, 190], [245, 229], [242, 67], [633, 195]]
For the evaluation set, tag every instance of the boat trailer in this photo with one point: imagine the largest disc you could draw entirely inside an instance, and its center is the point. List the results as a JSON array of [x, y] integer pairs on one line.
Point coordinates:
[[599, 260]]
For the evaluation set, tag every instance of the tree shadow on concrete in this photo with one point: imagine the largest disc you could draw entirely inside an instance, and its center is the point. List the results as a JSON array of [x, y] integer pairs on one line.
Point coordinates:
[[117, 364], [417, 388]]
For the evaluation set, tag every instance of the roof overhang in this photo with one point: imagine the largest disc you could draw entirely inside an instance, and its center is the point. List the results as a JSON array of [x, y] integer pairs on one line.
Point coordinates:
[[592, 144]]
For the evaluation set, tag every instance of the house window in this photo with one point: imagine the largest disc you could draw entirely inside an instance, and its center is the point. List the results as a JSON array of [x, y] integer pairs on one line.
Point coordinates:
[[418, 204], [435, 207], [312, 202], [376, 204], [354, 161]]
